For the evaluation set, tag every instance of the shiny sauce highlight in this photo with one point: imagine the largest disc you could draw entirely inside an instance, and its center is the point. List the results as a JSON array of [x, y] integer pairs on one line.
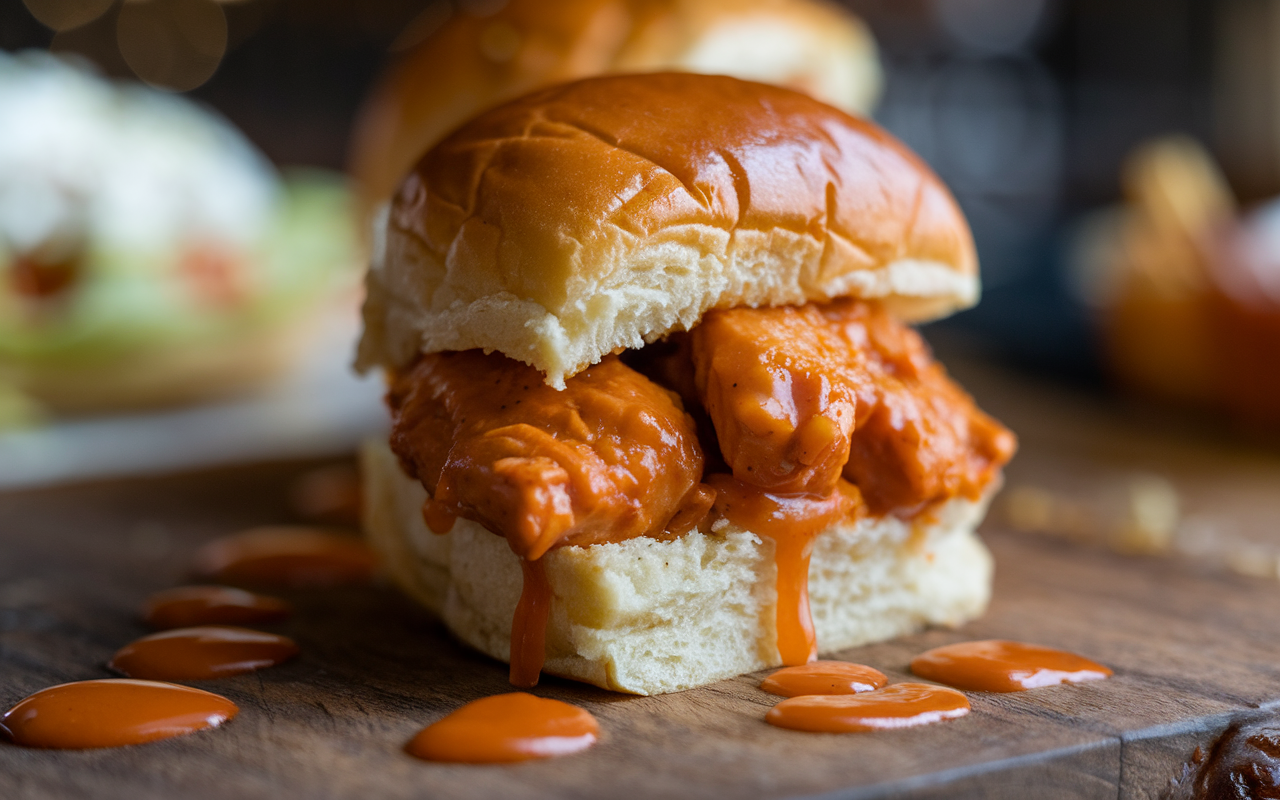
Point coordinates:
[[186, 606], [506, 728], [824, 677], [112, 713], [902, 705], [202, 653], [996, 665]]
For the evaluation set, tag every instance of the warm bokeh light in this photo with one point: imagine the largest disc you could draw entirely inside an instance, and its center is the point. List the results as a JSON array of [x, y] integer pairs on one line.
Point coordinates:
[[63, 15], [172, 44]]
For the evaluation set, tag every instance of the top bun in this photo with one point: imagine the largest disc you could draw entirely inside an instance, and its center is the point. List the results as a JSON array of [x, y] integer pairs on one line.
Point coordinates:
[[599, 215], [471, 63]]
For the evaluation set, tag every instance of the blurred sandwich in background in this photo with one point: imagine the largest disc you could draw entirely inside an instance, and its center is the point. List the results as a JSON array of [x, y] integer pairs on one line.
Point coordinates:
[[455, 66], [1188, 288]]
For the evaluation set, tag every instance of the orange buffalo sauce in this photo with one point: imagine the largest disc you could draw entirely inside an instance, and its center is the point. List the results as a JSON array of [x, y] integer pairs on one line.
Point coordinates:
[[529, 627], [211, 605], [995, 665], [611, 457], [902, 705], [112, 713], [824, 677], [800, 395], [202, 653], [287, 556], [504, 728], [792, 522], [823, 412], [817, 413]]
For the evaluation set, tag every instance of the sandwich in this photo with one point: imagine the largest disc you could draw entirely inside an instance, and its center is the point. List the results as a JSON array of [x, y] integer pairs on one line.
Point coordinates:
[[453, 66], [658, 418]]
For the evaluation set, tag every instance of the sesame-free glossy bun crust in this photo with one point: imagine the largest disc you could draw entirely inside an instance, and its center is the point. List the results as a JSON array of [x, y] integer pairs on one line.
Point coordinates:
[[598, 215], [473, 61]]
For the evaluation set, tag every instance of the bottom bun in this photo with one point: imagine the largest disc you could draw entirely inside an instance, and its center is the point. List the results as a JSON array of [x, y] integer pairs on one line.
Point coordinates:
[[647, 617]]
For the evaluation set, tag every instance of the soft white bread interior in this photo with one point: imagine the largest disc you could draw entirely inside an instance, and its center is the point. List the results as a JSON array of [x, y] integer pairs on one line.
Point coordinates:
[[649, 617], [597, 216], [468, 61]]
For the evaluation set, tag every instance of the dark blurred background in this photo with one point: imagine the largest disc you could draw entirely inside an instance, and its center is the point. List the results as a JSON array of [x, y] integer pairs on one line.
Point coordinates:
[[1025, 107]]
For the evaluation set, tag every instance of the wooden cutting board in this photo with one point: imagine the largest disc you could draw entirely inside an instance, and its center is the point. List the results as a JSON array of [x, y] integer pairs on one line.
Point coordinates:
[[1193, 647]]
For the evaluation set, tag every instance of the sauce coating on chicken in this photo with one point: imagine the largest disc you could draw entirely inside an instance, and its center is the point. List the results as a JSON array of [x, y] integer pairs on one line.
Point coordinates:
[[919, 438], [611, 457], [781, 387], [821, 413], [800, 395]]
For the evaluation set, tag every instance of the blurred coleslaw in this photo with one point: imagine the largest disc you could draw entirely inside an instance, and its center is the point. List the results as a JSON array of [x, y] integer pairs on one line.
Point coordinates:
[[133, 221]]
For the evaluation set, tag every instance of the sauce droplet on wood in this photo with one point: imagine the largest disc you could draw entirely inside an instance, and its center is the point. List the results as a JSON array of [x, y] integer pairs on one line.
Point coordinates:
[[112, 713], [902, 705], [202, 653], [287, 556], [824, 677], [995, 665], [504, 728], [211, 605], [328, 494], [529, 625]]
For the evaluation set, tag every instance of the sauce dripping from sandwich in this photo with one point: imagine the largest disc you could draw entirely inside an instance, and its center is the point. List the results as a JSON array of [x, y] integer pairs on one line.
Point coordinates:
[[112, 713], [825, 412], [529, 627], [995, 665], [611, 457], [202, 653], [821, 413], [506, 728], [792, 522]]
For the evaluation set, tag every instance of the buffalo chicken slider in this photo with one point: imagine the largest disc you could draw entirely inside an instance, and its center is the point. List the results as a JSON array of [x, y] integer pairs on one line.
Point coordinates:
[[658, 418]]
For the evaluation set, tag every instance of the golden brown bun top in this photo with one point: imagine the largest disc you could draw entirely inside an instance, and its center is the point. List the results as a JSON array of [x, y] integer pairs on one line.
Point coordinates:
[[470, 63], [608, 212]]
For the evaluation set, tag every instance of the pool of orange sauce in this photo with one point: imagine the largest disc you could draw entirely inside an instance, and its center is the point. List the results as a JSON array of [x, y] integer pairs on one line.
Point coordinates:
[[185, 606], [791, 521], [902, 705], [505, 728], [202, 653], [996, 665], [287, 556], [112, 713], [824, 677]]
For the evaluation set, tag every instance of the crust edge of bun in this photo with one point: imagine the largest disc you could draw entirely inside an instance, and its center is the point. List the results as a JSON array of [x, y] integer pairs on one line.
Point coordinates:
[[651, 617], [398, 325], [555, 229]]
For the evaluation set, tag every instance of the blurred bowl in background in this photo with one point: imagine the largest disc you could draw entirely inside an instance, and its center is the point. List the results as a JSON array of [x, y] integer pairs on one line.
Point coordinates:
[[149, 255]]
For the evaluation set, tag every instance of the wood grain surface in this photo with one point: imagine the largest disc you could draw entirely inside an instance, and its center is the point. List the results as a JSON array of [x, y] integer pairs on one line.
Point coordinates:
[[1192, 648]]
